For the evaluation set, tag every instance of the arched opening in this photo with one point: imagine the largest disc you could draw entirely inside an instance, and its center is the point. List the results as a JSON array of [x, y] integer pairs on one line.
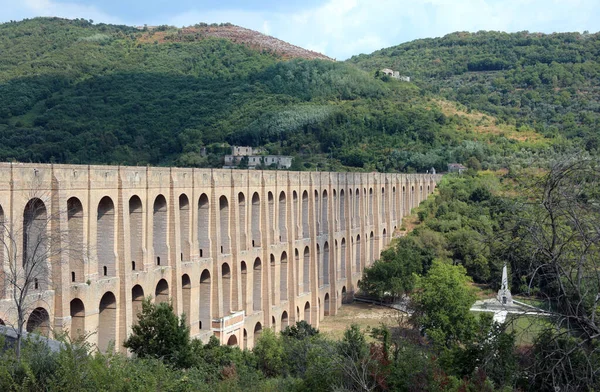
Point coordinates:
[[224, 220], [298, 313], [404, 201], [273, 278], [344, 295], [283, 277], [136, 238], [282, 218], [203, 226], [256, 220], [2, 322], [186, 294], [317, 213], [356, 208], [335, 212], [383, 217], [394, 203], [319, 266], [35, 243], [284, 320], [205, 301], [162, 291], [295, 212], [326, 263], [273, 323], [244, 271], [357, 255], [257, 285], [307, 312], [342, 210], [384, 236], [343, 259], [242, 220], [305, 223], [107, 321], [271, 211], [298, 278], [39, 322], [257, 331], [226, 279], [232, 341], [137, 298], [306, 270], [327, 305], [370, 206], [245, 339], [77, 312], [325, 213], [184, 227], [75, 239], [159, 230]]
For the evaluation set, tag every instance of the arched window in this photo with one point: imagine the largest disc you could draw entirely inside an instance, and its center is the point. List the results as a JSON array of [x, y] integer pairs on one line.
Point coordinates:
[[159, 230], [75, 239], [105, 239]]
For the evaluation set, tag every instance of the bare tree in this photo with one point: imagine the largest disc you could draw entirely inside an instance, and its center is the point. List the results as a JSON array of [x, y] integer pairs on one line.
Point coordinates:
[[559, 225], [32, 244]]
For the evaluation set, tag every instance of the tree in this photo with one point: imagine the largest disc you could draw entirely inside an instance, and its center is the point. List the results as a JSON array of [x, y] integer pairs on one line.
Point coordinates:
[[29, 247], [160, 334], [441, 306]]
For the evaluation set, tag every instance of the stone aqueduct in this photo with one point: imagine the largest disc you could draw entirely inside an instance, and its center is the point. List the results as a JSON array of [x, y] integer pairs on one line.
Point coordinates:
[[237, 251]]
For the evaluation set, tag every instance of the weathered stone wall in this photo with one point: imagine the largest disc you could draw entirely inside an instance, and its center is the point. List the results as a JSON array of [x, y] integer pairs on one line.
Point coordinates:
[[237, 251]]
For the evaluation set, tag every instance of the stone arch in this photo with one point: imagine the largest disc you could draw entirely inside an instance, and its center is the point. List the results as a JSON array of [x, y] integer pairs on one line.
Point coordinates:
[[161, 293], [343, 259], [136, 235], [77, 312], [283, 277], [325, 212], [297, 279], [226, 280], [394, 207], [107, 321], [242, 220], [284, 320], [326, 271], [186, 296], [356, 208], [370, 206], [255, 220], [203, 226], [75, 239], [271, 211], [257, 331], [205, 301], [232, 341], [257, 285], [282, 217], [35, 243], [306, 270], [344, 295], [159, 230], [384, 236], [245, 339], [404, 198], [319, 266], [305, 223], [327, 305], [39, 322], [224, 224], [244, 272], [357, 257], [342, 210], [298, 313], [273, 323], [184, 227], [307, 312], [137, 298]]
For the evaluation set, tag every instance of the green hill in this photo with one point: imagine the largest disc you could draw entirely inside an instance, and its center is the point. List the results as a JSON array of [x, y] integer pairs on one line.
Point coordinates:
[[76, 92], [549, 83]]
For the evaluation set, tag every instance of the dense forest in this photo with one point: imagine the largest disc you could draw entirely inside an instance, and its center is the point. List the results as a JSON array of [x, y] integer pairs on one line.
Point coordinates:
[[76, 92]]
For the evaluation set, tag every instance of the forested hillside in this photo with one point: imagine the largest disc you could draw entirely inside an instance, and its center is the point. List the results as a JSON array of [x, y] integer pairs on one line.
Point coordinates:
[[550, 83], [76, 92]]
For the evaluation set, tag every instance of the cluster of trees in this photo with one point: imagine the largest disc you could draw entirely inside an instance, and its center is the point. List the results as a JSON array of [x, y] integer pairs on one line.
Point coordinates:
[[542, 223]]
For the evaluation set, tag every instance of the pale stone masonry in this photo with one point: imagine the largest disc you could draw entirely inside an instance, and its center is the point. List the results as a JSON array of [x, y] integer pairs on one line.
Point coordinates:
[[237, 251]]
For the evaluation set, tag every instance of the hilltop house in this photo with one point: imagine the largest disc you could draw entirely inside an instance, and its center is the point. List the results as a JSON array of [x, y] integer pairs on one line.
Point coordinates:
[[395, 74], [238, 153], [456, 168]]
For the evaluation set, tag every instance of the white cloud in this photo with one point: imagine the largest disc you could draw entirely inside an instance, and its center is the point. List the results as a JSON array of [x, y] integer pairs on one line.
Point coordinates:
[[342, 28]]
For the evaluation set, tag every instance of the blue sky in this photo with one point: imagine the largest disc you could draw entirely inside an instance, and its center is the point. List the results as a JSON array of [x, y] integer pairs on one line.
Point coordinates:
[[338, 28]]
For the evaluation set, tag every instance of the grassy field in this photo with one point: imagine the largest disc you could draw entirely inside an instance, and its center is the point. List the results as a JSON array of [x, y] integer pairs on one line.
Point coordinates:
[[366, 316]]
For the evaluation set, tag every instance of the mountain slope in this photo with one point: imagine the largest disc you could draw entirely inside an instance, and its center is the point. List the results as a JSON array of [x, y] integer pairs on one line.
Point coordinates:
[[550, 83]]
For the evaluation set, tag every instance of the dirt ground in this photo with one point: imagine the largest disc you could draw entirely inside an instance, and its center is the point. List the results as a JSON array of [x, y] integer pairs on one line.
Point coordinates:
[[365, 315]]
